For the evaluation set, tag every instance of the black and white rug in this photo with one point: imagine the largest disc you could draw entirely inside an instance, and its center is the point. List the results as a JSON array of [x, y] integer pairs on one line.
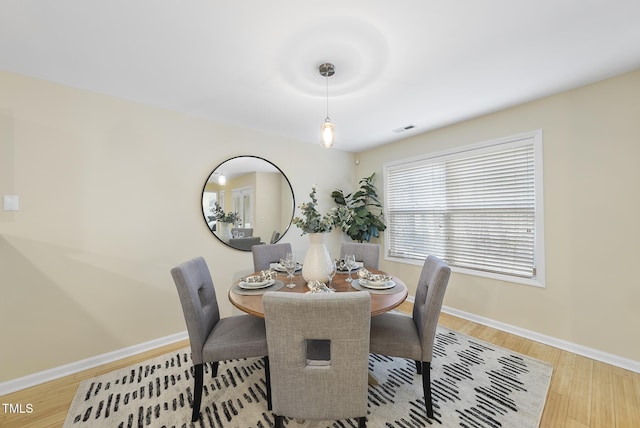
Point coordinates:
[[474, 384]]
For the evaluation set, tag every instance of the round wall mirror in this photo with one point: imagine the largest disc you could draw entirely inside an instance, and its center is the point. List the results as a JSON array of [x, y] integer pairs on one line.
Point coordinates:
[[246, 201]]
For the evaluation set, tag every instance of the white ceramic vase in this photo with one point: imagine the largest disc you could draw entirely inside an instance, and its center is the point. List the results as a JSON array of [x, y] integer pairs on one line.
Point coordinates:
[[225, 230], [317, 261]]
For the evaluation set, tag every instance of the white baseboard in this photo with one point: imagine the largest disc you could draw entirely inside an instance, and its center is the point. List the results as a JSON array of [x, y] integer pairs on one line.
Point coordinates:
[[594, 354], [75, 367]]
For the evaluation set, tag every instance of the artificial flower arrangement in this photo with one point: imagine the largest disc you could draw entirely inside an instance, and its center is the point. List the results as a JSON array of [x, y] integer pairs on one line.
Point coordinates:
[[312, 221], [230, 217]]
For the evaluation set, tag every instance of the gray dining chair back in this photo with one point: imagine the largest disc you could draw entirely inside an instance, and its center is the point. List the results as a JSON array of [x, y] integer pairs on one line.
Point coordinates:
[[367, 253], [212, 338], [264, 255], [246, 243], [398, 335], [318, 351]]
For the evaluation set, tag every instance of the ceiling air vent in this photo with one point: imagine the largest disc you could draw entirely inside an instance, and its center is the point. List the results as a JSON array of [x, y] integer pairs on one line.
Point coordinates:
[[404, 128]]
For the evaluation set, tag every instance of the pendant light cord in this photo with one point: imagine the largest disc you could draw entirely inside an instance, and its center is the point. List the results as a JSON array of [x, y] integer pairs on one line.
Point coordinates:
[[327, 79]]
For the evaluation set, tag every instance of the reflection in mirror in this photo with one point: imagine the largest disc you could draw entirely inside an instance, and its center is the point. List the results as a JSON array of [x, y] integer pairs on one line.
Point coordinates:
[[247, 200]]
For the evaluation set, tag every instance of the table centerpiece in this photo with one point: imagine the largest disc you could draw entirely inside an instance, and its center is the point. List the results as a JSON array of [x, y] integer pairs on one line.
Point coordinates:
[[317, 261]]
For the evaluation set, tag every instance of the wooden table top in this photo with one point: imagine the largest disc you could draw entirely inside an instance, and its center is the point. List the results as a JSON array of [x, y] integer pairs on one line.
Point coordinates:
[[380, 303]]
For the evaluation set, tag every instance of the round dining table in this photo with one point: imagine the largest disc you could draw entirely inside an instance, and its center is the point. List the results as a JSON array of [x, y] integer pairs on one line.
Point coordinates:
[[382, 300]]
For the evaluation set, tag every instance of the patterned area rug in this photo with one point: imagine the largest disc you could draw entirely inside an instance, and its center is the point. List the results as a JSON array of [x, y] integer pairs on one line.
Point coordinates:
[[474, 384]]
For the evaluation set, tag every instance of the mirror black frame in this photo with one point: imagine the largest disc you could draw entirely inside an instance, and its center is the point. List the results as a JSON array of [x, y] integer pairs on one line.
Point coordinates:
[[217, 168]]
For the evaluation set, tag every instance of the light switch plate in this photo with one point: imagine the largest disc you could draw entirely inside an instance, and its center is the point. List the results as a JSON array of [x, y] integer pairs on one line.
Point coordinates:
[[11, 203]]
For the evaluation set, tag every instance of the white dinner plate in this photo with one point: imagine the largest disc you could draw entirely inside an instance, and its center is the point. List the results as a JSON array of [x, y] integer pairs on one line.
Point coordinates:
[[376, 285], [278, 267], [256, 285]]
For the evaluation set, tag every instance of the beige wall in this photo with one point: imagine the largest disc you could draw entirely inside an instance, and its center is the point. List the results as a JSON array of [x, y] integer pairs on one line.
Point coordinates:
[[110, 200], [268, 204], [592, 203]]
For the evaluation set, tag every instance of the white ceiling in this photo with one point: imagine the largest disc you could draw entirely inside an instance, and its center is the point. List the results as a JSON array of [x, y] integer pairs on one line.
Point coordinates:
[[255, 63]]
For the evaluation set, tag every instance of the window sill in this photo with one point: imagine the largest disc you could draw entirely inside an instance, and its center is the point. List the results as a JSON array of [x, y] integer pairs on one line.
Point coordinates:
[[535, 282]]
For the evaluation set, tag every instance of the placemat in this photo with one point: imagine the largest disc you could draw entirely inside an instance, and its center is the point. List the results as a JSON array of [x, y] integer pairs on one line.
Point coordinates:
[[277, 285]]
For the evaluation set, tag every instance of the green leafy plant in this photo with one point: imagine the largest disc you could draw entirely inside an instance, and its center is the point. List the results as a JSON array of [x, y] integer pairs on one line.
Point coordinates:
[[312, 221], [360, 215], [230, 217]]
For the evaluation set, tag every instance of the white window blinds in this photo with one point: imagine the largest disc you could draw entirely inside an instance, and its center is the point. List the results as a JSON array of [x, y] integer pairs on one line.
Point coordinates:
[[476, 209]]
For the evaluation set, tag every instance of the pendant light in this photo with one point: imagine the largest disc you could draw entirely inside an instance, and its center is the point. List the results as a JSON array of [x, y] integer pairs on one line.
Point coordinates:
[[327, 129]]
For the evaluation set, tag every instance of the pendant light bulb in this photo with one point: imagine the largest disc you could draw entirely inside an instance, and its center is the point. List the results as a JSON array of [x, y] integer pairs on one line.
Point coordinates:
[[222, 180], [327, 129], [328, 133]]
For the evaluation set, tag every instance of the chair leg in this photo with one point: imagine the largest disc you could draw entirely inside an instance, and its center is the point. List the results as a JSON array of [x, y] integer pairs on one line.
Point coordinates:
[[279, 421], [214, 368], [362, 422], [418, 367], [267, 375], [426, 387], [197, 391]]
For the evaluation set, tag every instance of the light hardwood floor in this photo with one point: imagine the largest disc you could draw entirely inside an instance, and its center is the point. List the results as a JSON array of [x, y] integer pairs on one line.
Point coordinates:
[[583, 392]]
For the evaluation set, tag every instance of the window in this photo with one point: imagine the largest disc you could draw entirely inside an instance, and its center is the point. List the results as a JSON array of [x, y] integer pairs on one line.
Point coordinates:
[[479, 208]]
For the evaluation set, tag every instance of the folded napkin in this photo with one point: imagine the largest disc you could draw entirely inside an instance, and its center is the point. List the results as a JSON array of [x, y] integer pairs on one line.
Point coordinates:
[[280, 268], [373, 277], [318, 287], [264, 276]]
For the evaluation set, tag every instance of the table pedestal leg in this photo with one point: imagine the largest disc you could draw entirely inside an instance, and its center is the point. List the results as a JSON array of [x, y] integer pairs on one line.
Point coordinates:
[[372, 380]]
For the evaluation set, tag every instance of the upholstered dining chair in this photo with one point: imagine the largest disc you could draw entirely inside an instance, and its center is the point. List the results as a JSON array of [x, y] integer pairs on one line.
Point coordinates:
[[367, 253], [398, 335], [244, 243], [318, 351], [264, 255], [212, 338]]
